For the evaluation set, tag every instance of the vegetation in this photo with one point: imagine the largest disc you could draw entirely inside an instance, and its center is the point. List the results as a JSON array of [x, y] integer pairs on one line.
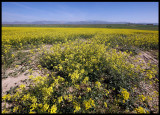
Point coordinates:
[[111, 26], [86, 70]]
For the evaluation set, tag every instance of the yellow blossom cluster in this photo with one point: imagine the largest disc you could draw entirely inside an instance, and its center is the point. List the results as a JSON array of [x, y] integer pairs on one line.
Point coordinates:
[[124, 94], [141, 110], [89, 104]]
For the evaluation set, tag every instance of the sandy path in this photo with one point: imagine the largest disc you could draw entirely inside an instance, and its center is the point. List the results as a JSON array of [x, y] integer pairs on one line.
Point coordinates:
[[16, 81]]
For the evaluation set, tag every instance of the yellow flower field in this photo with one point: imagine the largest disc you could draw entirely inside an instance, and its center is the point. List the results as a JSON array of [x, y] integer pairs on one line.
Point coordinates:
[[85, 70]]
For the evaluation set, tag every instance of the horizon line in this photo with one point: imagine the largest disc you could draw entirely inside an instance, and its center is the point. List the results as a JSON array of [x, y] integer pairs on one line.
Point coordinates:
[[76, 21]]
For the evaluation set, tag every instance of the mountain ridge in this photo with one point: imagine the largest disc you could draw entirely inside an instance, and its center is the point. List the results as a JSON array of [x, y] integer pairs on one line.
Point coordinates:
[[73, 22]]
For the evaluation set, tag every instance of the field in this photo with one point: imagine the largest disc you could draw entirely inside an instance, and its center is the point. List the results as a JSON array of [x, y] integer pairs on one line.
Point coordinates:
[[79, 70], [111, 26]]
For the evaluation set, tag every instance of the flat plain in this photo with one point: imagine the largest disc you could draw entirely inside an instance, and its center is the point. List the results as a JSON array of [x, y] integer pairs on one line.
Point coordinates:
[[80, 70]]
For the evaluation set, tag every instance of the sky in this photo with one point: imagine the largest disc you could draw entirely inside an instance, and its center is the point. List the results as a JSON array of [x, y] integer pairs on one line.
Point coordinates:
[[134, 12]]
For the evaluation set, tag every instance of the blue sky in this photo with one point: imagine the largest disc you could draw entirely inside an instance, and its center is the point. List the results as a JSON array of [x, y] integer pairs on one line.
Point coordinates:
[[135, 12]]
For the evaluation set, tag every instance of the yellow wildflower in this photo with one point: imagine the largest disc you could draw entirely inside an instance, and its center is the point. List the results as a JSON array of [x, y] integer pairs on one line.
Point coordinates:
[[107, 92], [76, 107], [105, 104], [77, 86], [88, 89], [65, 97], [45, 107], [85, 80], [123, 101], [87, 104], [17, 66], [60, 99], [53, 109], [125, 94], [79, 97], [92, 102], [82, 71], [31, 76], [34, 99], [32, 112], [98, 84], [22, 86], [141, 110], [142, 97], [4, 111], [15, 109], [13, 56], [70, 97], [40, 105]]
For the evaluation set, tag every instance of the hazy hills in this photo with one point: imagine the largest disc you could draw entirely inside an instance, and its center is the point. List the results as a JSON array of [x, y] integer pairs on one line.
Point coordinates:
[[72, 22]]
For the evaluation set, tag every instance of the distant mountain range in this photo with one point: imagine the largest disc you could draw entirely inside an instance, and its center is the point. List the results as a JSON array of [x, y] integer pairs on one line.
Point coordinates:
[[73, 22]]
